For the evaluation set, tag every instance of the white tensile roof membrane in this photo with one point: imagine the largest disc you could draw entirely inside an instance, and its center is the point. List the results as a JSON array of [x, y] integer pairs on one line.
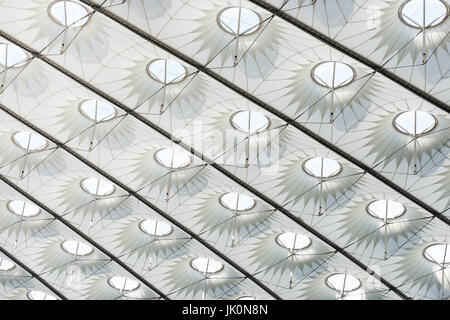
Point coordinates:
[[224, 149]]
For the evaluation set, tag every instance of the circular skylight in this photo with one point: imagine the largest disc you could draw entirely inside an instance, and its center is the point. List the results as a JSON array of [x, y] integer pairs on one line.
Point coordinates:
[[236, 201], [12, 56], [76, 248], [23, 209], [343, 282], [379, 208], [237, 20], [333, 74], [413, 12], [155, 227], [123, 283], [172, 159], [68, 13], [206, 265], [6, 265], [166, 71], [249, 122], [293, 241], [39, 295], [29, 141], [97, 187], [414, 122], [322, 168], [438, 253], [97, 111]]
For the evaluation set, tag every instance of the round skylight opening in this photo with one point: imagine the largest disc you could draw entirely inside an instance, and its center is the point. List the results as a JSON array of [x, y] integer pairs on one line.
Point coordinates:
[[29, 141], [413, 12], [166, 71], [206, 265], [172, 158], [322, 168], [385, 209], [97, 111], [155, 227], [12, 56], [97, 187], [39, 295], [237, 201], [343, 282], [293, 241], [438, 253], [6, 265], [23, 209], [333, 74], [239, 21], [68, 14], [76, 248], [249, 122], [414, 122], [123, 283]]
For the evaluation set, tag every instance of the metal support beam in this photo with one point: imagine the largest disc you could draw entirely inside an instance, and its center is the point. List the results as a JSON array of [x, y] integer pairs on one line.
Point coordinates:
[[78, 232], [61, 219], [194, 152], [132, 193], [266, 107], [32, 273]]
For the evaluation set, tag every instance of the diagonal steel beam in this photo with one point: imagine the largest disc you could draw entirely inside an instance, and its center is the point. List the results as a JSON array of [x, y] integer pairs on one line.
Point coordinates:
[[32, 273], [266, 107], [61, 219], [194, 152], [358, 57], [132, 193]]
